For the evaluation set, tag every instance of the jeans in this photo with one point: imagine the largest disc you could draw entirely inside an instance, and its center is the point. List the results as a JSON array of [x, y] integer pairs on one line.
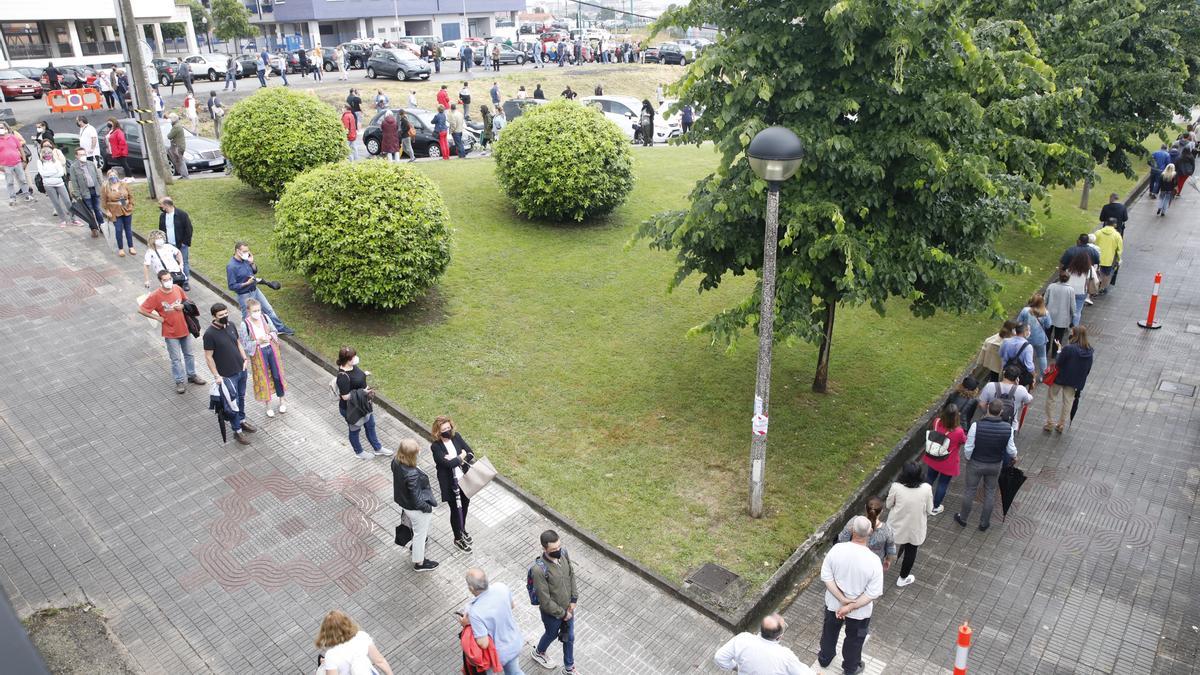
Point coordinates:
[[406, 146], [1079, 304], [909, 553], [262, 78], [187, 269], [60, 200], [989, 473], [1164, 200], [369, 426], [940, 483], [513, 667], [283, 75], [458, 145], [237, 386], [317, 72], [420, 522], [272, 363], [856, 635], [553, 624], [15, 174], [183, 363], [268, 311], [1053, 392], [1039, 351], [93, 202], [231, 76], [1155, 181], [353, 151], [123, 225]]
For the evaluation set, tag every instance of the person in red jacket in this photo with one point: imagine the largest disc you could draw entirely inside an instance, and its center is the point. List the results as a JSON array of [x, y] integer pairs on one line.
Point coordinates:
[[351, 125], [118, 149], [443, 97]]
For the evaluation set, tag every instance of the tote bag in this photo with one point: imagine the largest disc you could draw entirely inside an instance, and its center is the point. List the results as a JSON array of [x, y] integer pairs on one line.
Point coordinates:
[[482, 472]]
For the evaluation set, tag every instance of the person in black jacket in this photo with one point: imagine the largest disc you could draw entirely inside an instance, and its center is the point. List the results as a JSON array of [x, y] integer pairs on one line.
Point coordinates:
[[1074, 365], [411, 490], [453, 458], [178, 228], [351, 379], [1116, 210]]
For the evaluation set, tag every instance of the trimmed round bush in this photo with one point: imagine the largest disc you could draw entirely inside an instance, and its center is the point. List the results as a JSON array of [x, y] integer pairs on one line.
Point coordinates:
[[364, 234], [563, 161], [276, 134]]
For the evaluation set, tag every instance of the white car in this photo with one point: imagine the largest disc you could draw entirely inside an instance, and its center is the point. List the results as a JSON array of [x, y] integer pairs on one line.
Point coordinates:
[[211, 66], [450, 50], [673, 119], [624, 111]]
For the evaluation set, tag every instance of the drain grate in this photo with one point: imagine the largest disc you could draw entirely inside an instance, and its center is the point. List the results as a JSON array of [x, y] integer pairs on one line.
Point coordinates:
[[712, 578], [1177, 388]]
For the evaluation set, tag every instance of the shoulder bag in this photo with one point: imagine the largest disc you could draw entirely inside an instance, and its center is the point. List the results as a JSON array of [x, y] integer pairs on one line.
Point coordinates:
[[1092, 285], [937, 444], [482, 472], [178, 277]]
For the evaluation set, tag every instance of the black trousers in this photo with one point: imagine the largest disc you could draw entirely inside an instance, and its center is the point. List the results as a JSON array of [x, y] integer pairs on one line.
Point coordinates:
[[909, 553], [458, 516], [1057, 335], [856, 635]]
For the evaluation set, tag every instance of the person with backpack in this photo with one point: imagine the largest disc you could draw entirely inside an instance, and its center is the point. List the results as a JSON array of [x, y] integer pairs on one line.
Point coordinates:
[[552, 587], [940, 468], [1018, 350], [1060, 303], [1036, 320], [909, 502], [989, 443], [1012, 396], [453, 458], [412, 492], [1074, 364]]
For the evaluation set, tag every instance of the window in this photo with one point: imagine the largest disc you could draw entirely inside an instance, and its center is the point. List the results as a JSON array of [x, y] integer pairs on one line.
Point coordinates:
[[25, 40]]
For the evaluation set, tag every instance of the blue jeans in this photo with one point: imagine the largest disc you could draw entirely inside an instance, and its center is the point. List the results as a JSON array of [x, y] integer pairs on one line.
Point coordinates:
[[369, 426], [187, 269], [513, 667], [183, 363], [552, 624], [1155, 181], [1039, 355], [262, 78], [1164, 200], [458, 145], [272, 363], [266, 307], [231, 76], [237, 386], [940, 483], [123, 224], [1079, 298], [93, 202]]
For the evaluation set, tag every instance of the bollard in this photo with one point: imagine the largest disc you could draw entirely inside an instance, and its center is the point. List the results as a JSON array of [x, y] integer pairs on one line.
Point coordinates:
[[964, 647], [1149, 322]]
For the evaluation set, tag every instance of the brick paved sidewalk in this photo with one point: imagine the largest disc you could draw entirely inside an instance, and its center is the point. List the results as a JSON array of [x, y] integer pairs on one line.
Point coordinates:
[[1095, 569], [222, 558]]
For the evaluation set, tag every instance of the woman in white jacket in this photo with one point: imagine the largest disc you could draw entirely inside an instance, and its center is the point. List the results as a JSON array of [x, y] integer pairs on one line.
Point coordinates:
[[54, 181], [909, 503]]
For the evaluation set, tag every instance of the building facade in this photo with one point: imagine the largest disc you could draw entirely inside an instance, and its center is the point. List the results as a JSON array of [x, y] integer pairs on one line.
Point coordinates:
[[296, 23], [79, 32]]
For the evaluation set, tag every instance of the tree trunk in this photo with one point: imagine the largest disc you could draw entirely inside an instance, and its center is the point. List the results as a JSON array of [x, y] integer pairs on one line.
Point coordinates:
[[822, 377], [1083, 200]]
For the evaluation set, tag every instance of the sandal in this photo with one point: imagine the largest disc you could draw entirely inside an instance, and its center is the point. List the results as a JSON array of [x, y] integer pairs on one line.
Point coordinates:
[[1048, 427], [1059, 428]]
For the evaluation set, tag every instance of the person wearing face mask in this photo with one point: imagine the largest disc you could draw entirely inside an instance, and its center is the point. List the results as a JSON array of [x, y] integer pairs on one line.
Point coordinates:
[[266, 359], [165, 305], [453, 458], [55, 153], [161, 256], [13, 165], [118, 149], [554, 586], [53, 174], [241, 278], [42, 133], [85, 184], [227, 360], [352, 386], [177, 226], [117, 204], [89, 140]]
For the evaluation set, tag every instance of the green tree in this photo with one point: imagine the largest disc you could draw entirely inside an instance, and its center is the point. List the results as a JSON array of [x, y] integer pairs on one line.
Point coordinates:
[[231, 21], [919, 154], [200, 17], [171, 31]]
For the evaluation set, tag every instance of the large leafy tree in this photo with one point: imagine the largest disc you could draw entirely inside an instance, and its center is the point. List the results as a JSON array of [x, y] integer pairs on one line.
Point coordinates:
[[231, 21], [927, 135]]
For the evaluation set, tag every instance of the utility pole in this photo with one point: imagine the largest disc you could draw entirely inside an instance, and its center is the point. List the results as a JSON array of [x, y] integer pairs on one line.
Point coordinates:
[[156, 165]]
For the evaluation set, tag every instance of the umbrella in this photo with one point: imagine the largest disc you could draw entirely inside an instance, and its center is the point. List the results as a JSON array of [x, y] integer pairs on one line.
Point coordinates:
[[84, 212], [1011, 480], [220, 399], [1074, 408]]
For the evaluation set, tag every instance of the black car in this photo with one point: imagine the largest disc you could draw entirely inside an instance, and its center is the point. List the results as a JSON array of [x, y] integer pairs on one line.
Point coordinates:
[[201, 154], [248, 64], [672, 53], [515, 107], [357, 56], [398, 63], [508, 55], [425, 143], [168, 71]]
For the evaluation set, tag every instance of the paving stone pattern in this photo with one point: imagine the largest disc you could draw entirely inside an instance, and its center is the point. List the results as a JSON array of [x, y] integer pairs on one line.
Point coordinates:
[[1095, 569], [221, 558]]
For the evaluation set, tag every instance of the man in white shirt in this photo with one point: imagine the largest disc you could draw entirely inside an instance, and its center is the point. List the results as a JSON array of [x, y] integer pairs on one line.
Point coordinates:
[[89, 140], [1007, 389], [761, 654], [853, 577]]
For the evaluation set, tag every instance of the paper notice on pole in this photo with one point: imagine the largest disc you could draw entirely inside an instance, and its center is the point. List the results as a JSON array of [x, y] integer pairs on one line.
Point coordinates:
[[758, 406], [759, 424], [756, 470]]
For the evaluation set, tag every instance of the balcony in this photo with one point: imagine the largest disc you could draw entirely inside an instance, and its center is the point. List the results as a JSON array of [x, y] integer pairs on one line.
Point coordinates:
[[98, 48]]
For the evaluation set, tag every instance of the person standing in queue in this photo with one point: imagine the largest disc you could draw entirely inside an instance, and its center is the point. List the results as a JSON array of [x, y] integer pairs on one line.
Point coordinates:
[[412, 492], [453, 458], [227, 362], [352, 385]]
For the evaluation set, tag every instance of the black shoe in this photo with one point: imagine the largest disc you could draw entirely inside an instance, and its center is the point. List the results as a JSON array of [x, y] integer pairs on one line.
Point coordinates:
[[959, 519], [462, 545], [469, 539], [425, 565], [984, 528], [862, 666], [287, 331], [246, 426]]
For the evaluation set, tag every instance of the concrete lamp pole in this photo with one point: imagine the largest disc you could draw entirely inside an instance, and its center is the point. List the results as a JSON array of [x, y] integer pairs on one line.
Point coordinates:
[[775, 155], [156, 156]]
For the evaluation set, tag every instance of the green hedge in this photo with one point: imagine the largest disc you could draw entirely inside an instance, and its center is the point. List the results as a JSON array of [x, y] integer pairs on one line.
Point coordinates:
[[368, 234], [276, 134], [564, 161]]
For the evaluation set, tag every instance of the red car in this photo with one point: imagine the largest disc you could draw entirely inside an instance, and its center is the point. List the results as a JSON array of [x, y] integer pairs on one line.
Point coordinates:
[[16, 85]]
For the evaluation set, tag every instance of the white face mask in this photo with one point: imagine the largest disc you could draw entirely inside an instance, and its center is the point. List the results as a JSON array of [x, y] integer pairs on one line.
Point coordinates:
[[256, 314], [354, 361], [168, 284]]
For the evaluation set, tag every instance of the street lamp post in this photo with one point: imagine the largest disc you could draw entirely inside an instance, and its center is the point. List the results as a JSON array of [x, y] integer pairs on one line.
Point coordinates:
[[775, 155]]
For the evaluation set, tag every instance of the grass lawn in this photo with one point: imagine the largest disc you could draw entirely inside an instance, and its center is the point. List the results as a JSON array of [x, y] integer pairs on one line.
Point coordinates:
[[563, 358]]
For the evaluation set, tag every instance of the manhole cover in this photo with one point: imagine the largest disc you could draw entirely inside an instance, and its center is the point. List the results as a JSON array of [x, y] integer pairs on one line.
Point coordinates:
[[1177, 388], [712, 578]]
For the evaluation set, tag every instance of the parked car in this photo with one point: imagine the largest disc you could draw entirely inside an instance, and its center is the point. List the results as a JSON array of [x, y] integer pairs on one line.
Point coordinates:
[[508, 55], [210, 65], [650, 55], [515, 107], [674, 53], [16, 85], [34, 74], [425, 143], [168, 71], [200, 153], [357, 54], [398, 63], [249, 65], [70, 77], [624, 111], [698, 45]]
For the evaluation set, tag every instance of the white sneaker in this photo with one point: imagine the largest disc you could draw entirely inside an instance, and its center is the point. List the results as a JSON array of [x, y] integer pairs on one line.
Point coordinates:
[[934, 512], [380, 452], [282, 406], [1088, 301], [270, 413], [543, 660], [904, 581]]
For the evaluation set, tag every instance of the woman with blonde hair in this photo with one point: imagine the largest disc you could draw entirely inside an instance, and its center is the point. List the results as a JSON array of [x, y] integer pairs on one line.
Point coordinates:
[[411, 490], [1166, 194], [453, 458], [266, 359], [1035, 316], [161, 256], [117, 204], [349, 650]]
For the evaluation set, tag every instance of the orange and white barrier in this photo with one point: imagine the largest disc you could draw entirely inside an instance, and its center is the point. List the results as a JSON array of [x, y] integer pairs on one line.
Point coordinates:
[[964, 647], [70, 100]]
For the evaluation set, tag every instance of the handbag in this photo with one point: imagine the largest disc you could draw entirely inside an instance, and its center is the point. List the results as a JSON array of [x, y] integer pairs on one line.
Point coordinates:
[[1050, 375], [482, 472], [404, 531], [937, 444], [178, 277], [1092, 285]]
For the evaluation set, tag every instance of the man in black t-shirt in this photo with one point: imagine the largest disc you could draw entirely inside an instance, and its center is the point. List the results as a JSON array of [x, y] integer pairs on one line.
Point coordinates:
[[227, 360]]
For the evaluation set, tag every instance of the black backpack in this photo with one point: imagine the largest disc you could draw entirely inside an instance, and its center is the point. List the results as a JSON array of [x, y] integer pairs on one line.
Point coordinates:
[[1025, 379], [1009, 400]]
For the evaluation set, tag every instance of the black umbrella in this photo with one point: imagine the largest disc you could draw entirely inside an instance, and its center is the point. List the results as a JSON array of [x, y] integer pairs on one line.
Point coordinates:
[[1074, 408], [85, 213], [220, 399], [1011, 480]]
